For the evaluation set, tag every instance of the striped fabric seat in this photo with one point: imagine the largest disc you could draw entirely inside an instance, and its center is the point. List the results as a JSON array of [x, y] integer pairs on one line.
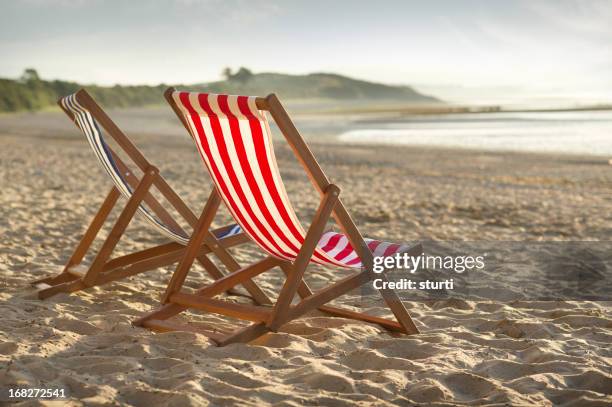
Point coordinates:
[[234, 139], [231, 231], [94, 135], [338, 246]]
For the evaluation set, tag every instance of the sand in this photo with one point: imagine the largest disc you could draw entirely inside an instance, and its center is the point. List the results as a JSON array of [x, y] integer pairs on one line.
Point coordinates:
[[485, 352]]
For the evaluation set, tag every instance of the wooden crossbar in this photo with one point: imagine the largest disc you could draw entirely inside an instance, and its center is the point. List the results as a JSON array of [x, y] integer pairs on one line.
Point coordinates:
[[230, 309], [142, 255], [217, 287]]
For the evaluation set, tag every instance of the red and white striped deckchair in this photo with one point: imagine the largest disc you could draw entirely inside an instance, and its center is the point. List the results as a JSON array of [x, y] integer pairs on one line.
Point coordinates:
[[234, 139], [91, 119]]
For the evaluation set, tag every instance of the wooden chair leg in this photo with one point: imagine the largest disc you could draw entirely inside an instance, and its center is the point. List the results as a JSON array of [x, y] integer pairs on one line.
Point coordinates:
[[85, 243], [398, 309], [67, 287], [197, 238], [119, 227], [246, 334], [298, 267], [304, 291], [343, 286], [201, 234], [393, 302], [54, 280]]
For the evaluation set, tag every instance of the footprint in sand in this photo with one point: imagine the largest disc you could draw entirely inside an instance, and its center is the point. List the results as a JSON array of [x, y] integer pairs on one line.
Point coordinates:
[[8, 348], [239, 379], [591, 380], [466, 386], [365, 359], [317, 376], [165, 364], [76, 326], [411, 349], [100, 365], [428, 391]]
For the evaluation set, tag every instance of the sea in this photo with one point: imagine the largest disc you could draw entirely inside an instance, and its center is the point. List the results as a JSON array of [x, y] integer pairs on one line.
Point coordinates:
[[572, 132]]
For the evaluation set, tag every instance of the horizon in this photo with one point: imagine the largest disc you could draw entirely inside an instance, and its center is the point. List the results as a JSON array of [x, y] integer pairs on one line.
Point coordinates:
[[473, 51]]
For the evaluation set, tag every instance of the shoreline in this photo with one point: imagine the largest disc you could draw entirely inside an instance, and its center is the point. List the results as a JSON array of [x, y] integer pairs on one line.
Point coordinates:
[[388, 106], [68, 134], [570, 158]]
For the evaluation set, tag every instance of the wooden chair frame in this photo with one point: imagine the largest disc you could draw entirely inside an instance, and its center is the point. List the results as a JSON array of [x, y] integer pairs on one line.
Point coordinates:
[[103, 269], [266, 319]]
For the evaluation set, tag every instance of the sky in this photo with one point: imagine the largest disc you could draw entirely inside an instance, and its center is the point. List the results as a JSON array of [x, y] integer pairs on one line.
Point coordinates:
[[457, 49]]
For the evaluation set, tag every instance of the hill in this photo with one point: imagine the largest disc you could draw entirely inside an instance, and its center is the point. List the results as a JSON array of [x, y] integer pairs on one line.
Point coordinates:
[[30, 92], [313, 86]]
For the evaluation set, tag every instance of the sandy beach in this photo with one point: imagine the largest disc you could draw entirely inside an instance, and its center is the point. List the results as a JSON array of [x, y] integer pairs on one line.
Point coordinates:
[[470, 352]]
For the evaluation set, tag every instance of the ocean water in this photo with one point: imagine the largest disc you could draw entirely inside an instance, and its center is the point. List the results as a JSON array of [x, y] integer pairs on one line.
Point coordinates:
[[584, 132]]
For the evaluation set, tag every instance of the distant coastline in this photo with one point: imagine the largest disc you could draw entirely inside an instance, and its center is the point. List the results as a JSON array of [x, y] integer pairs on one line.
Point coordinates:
[[316, 93], [455, 109], [32, 93]]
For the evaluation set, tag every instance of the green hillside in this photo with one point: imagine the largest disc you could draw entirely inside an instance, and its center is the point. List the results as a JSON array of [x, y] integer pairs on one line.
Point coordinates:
[[30, 92], [315, 85]]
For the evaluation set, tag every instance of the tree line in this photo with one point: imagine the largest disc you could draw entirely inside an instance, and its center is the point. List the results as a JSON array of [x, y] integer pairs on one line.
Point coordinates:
[[30, 92]]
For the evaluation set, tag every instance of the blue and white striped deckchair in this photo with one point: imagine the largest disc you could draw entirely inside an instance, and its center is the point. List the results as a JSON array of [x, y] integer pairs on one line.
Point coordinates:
[[92, 120]]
